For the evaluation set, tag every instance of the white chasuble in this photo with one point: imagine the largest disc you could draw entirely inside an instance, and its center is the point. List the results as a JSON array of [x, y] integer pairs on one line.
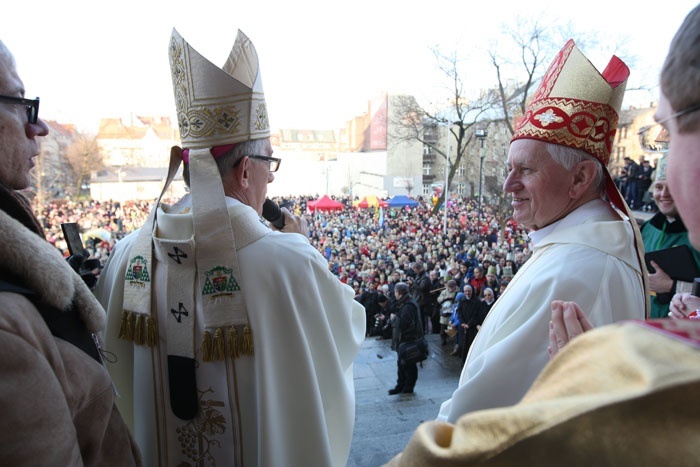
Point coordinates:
[[291, 403], [588, 258]]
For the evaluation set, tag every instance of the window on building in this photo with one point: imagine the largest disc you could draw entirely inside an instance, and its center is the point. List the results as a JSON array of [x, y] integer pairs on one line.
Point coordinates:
[[426, 189], [426, 169], [461, 170], [461, 189]]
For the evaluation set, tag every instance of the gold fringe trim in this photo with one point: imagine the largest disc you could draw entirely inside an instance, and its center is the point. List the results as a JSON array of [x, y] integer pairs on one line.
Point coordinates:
[[138, 328], [122, 327], [207, 347], [247, 347], [130, 321], [219, 346], [233, 342], [214, 348], [151, 332]]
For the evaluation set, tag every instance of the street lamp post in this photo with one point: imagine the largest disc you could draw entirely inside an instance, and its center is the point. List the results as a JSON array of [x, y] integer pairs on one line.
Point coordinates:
[[481, 136]]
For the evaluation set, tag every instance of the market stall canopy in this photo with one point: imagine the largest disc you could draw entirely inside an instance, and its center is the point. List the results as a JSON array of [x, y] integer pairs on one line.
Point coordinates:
[[324, 203], [370, 201], [399, 201]]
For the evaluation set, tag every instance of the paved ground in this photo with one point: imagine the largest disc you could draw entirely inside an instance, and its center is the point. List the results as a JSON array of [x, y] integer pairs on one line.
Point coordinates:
[[383, 423]]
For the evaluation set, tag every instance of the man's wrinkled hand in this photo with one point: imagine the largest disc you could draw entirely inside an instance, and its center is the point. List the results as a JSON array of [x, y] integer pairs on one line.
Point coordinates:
[[294, 224]]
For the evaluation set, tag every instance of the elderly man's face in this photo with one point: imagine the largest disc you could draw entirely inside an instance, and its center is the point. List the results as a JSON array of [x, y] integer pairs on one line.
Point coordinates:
[[17, 136], [540, 187], [259, 176], [683, 170]]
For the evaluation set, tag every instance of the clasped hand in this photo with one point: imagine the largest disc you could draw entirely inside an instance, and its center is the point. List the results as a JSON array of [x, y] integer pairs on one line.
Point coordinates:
[[568, 321]]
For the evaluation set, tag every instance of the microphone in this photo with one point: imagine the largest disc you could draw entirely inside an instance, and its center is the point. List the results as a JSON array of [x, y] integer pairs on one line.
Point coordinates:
[[273, 214]]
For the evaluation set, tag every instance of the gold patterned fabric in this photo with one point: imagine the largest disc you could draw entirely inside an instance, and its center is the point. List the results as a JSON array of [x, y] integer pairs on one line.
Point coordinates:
[[218, 106], [575, 105], [619, 395]]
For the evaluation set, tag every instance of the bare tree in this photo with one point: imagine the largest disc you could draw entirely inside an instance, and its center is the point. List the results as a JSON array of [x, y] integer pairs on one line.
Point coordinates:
[[415, 122], [84, 157]]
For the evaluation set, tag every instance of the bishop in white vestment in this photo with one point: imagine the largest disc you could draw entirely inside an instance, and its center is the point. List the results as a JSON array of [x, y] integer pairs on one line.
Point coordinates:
[[234, 343], [587, 247]]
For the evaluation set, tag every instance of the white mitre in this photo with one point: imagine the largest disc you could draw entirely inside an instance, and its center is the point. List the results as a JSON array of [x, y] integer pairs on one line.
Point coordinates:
[[218, 106]]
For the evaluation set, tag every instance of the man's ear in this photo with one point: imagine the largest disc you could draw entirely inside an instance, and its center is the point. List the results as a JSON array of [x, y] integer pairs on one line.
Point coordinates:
[[584, 174], [243, 172], [238, 176]]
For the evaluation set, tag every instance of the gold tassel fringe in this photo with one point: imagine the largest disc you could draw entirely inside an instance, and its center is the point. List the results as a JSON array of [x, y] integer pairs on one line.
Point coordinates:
[[233, 342], [139, 330], [207, 347], [130, 321], [247, 347], [122, 327], [151, 332], [214, 348], [219, 346]]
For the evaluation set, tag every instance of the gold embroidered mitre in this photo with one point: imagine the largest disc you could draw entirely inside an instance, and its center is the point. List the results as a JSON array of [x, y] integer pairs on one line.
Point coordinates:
[[575, 105], [218, 106]]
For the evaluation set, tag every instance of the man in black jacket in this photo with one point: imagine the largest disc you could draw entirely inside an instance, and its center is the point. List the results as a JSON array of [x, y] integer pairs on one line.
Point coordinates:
[[409, 324], [420, 292]]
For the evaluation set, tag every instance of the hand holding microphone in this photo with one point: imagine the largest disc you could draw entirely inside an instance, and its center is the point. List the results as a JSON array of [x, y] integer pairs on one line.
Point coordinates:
[[283, 220], [273, 214]]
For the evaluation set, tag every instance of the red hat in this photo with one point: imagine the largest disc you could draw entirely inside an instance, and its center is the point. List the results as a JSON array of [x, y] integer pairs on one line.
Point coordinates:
[[575, 105]]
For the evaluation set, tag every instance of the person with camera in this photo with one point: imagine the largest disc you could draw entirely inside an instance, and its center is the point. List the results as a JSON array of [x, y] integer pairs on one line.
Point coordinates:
[[411, 328]]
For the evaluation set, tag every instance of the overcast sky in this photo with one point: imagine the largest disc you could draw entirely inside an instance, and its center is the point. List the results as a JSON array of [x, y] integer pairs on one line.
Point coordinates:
[[321, 60]]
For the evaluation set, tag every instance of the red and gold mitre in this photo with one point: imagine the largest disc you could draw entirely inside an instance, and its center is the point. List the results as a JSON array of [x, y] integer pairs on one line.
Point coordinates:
[[576, 105]]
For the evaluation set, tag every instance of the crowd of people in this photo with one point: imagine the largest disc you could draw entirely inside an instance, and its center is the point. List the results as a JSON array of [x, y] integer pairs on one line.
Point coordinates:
[[181, 320], [369, 250], [365, 248]]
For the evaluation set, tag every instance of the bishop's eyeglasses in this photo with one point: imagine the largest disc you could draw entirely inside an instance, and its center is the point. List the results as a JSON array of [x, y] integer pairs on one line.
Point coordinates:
[[274, 162], [31, 104]]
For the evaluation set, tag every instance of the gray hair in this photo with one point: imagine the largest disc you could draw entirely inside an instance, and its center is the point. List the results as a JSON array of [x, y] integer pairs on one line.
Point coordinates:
[[402, 288], [227, 161], [568, 158]]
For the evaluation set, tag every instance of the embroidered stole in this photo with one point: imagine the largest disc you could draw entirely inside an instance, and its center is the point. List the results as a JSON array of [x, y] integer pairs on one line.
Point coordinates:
[[200, 270]]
